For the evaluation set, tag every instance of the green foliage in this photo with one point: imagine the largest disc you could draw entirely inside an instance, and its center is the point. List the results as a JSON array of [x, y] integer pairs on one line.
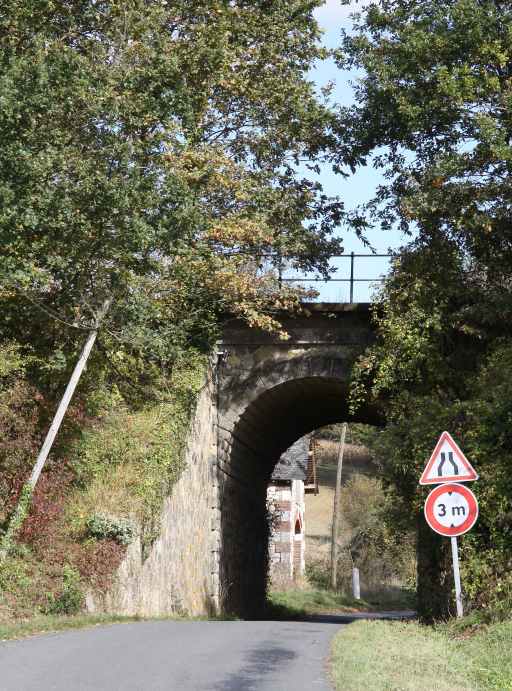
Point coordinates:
[[419, 658], [433, 111], [12, 360], [301, 603], [475, 406], [70, 599], [7, 540], [103, 527], [126, 463], [383, 554], [19, 422], [14, 574], [147, 154], [318, 574]]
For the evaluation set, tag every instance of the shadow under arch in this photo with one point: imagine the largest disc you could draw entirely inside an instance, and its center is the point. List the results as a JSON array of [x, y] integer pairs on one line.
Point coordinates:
[[272, 421]]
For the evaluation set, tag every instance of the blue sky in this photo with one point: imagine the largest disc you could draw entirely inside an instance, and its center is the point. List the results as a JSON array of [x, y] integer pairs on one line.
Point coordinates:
[[332, 17]]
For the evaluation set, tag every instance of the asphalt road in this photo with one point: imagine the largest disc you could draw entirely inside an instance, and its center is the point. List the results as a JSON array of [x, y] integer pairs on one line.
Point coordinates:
[[175, 656]]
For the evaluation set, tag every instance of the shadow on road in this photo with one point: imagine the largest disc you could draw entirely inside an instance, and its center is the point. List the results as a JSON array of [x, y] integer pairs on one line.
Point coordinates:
[[265, 659]]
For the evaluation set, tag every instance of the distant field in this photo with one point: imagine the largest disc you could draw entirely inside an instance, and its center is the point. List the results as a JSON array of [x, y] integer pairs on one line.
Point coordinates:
[[319, 507]]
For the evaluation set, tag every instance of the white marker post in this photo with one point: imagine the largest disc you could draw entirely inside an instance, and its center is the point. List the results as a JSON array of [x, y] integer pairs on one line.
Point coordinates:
[[356, 590], [456, 577]]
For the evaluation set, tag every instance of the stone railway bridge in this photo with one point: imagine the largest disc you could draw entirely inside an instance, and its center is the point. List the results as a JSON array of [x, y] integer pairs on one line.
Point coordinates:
[[269, 394], [261, 396]]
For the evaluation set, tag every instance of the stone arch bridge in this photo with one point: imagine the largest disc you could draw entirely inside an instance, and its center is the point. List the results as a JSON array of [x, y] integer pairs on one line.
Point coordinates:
[[261, 395], [269, 394]]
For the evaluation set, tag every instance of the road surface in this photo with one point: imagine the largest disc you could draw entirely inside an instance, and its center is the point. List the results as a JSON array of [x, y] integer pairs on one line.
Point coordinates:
[[175, 656], [172, 656]]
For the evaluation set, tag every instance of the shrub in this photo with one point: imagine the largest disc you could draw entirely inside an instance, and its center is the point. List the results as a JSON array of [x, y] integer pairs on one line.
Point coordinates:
[[70, 600], [127, 462], [102, 527]]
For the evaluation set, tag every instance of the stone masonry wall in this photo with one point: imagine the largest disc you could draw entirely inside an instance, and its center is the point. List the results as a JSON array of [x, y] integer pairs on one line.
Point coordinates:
[[179, 574]]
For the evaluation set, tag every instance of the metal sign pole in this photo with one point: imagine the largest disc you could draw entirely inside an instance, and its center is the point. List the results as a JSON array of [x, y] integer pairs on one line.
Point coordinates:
[[456, 576]]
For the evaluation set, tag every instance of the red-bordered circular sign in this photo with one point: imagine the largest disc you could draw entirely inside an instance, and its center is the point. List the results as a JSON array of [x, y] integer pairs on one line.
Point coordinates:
[[451, 509]]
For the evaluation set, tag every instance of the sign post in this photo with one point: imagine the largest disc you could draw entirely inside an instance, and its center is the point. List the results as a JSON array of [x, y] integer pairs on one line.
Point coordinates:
[[456, 576], [451, 509]]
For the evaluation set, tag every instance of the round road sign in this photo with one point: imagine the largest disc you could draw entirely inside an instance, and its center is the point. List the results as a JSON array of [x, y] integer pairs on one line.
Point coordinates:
[[451, 509]]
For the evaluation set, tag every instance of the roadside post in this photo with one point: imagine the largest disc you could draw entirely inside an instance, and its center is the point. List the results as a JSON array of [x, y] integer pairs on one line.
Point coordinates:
[[356, 590], [451, 509], [336, 508]]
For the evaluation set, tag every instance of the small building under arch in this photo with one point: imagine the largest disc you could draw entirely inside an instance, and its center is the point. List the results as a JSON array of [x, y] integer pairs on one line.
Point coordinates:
[[293, 476]]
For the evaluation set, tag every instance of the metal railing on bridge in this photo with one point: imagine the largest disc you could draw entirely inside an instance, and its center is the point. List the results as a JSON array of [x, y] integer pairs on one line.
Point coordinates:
[[328, 288]]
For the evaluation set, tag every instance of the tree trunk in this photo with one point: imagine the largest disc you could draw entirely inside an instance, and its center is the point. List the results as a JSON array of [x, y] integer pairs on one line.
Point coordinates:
[[435, 576]]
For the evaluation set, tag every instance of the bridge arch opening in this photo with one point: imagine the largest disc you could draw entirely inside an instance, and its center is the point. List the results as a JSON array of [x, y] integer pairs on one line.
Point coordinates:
[[275, 417]]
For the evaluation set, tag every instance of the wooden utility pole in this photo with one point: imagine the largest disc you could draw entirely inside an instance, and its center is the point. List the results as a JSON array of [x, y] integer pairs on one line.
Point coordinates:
[[336, 508], [23, 505]]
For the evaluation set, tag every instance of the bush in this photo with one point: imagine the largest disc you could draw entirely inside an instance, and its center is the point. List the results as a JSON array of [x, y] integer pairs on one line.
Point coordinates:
[[102, 527], [127, 462], [318, 573], [70, 600], [384, 554]]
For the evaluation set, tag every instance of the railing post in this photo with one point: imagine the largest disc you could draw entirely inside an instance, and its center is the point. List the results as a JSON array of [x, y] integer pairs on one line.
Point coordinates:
[[351, 277]]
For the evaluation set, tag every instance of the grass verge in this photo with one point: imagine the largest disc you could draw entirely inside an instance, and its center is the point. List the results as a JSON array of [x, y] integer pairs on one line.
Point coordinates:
[[406, 656], [48, 624], [53, 623], [300, 603]]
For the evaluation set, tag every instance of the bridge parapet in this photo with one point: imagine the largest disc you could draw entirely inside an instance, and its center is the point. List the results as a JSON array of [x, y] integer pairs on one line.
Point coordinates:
[[354, 277], [320, 322]]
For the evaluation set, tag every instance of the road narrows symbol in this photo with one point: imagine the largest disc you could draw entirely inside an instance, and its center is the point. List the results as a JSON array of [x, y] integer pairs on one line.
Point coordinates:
[[443, 461], [447, 464]]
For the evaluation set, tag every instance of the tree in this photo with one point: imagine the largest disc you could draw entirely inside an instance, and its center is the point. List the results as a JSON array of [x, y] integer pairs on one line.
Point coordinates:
[[148, 155], [433, 110], [436, 98], [149, 148]]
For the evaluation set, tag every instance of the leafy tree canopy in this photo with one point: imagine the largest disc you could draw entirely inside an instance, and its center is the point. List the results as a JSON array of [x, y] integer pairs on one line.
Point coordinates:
[[148, 152], [434, 111]]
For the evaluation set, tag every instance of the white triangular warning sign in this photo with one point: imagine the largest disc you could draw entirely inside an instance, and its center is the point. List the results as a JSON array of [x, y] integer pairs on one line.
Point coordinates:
[[447, 464]]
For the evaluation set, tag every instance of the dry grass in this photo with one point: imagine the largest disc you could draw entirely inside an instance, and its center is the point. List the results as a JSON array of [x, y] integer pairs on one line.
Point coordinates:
[[398, 656], [319, 507], [318, 523], [112, 495], [362, 496]]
